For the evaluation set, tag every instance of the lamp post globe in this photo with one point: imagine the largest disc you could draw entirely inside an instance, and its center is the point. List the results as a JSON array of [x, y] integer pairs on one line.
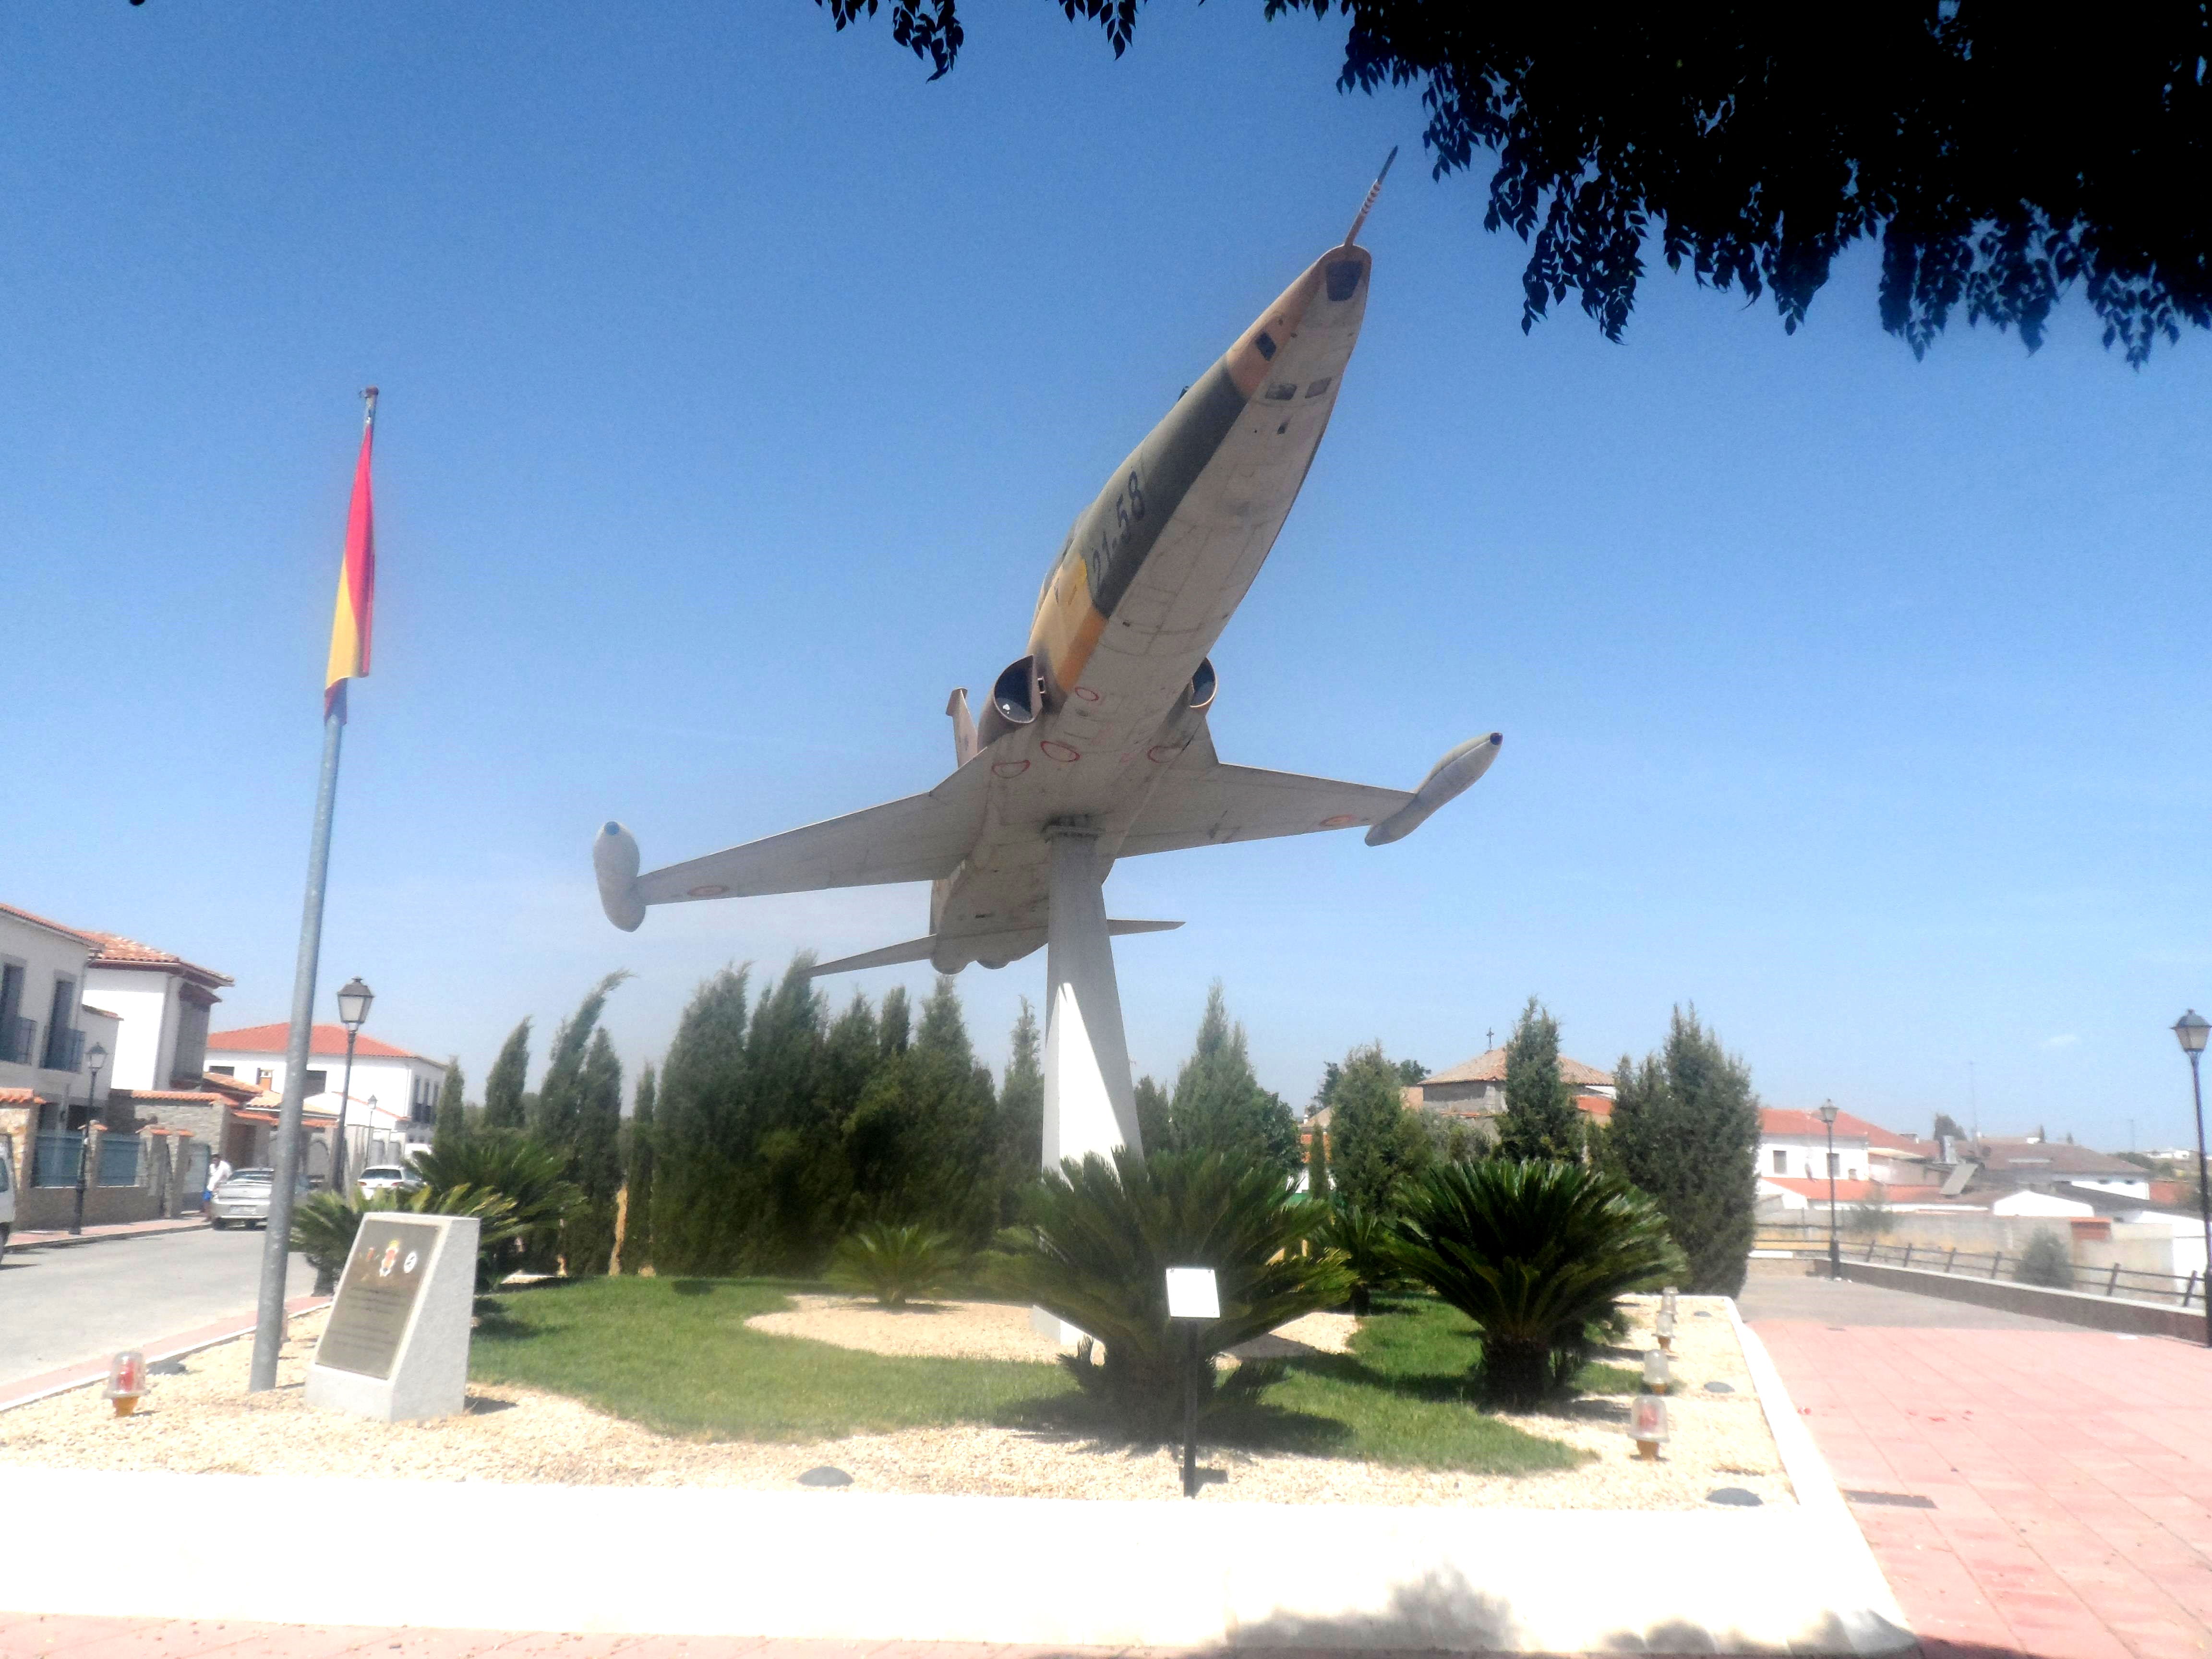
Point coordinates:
[[1835, 1247], [355, 999], [2189, 1031]]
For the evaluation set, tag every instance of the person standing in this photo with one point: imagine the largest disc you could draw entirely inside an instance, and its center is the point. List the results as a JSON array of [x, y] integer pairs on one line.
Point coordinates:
[[218, 1172]]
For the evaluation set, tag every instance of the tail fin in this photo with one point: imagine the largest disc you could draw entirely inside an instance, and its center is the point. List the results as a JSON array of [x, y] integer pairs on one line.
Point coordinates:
[[964, 725]]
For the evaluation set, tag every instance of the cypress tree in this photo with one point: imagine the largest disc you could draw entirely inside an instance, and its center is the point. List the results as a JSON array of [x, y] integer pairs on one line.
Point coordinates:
[[923, 1140], [1540, 1120], [453, 1112], [1379, 1144], [588, 1238], [503, 1102], [892, 1022], [1317, 1160], [795, 1183], [696, 1217], [637, 1208], [1021, 1113], [1152, 1126], [1218, 1105], [558, 1111], [1686, 1130]]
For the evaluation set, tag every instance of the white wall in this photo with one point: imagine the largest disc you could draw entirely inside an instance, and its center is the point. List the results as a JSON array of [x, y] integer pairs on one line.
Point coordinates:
[[42, 954], [1807, 1158], [391, 1082], [143, 1050]]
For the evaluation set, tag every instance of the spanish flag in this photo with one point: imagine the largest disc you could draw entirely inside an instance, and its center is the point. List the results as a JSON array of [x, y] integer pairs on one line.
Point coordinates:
[[350, 628]]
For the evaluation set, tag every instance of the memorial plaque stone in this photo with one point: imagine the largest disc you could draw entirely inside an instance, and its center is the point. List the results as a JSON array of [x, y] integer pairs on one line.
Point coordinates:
[[396, 1344]]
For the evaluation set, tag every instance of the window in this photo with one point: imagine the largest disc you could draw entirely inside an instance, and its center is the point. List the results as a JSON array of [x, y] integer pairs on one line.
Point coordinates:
[[64, 1041], [222, 1071], [15, 1042], [1835, 1163], [1782, 1163], [318, 1083]]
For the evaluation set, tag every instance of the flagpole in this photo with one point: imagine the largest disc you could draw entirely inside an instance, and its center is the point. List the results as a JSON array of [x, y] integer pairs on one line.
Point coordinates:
[[277, 1242]]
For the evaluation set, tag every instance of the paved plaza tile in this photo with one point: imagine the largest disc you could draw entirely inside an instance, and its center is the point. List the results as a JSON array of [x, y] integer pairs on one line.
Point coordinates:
[[2069, 1471]]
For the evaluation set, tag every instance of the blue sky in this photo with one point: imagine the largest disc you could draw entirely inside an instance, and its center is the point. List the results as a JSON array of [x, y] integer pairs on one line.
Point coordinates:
[[738, 384]]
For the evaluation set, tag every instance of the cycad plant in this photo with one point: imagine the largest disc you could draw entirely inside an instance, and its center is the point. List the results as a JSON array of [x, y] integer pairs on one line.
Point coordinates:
[[1534, 1253], [893, 1263], [324, 1226], [1370, 1247], [1096, 1239], [530, 1176]]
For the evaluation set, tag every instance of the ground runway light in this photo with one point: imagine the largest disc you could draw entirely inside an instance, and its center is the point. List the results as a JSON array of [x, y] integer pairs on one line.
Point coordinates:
[[1093, 745]]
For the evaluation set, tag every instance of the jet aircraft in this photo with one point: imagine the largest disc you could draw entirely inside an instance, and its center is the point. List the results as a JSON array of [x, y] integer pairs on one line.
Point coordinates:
[[1092, 745]]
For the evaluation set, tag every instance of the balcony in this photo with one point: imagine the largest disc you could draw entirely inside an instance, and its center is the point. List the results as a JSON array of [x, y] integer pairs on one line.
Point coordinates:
[[19, 1040], [65, 1050]]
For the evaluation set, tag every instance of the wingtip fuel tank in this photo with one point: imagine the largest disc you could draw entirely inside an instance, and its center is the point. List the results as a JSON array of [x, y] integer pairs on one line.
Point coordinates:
[[614, 858], [1447, 779]]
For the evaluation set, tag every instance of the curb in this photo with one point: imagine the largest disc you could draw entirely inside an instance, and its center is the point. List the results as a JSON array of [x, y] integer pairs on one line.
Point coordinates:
[[134, 1230], [31, 1390]]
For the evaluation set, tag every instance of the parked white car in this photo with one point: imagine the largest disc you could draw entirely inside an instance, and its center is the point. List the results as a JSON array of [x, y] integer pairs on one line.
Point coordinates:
[[243, 1198], [386, 1178], [7, 1198]]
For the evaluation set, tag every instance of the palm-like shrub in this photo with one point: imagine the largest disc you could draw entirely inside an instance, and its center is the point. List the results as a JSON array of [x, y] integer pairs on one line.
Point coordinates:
[[1369, 1244], [324, 1225], [531, 1178], [1534, 1253], [892, 1263], [1096, 1241]]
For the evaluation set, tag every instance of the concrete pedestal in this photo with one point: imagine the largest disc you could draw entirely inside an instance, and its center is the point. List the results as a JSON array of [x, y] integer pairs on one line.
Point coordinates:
[[397, 1345]]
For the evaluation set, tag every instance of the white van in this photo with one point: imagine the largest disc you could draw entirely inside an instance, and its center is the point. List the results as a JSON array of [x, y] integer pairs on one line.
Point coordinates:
[[7, 1198]]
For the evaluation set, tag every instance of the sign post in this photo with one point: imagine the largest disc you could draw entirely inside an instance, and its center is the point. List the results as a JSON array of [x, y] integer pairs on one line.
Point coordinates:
[[1194, 1298]]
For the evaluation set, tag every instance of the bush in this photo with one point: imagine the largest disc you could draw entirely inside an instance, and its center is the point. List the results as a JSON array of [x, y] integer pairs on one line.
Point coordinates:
[[1096, 1241], [2046, 1262], [893, 1263], [1534, 1253], [531, 1176], [1369, 1247], [324, 1225]]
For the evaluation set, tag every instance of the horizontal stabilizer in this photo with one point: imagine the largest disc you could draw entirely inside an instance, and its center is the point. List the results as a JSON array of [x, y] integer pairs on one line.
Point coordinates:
[[994, 950]]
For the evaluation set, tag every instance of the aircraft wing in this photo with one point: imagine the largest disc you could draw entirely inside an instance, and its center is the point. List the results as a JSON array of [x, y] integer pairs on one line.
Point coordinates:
[[919, 838], [1201, 802]]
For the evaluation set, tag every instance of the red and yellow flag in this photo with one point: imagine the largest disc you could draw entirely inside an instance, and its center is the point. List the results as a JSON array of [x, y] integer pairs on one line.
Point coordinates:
[[350, 628]]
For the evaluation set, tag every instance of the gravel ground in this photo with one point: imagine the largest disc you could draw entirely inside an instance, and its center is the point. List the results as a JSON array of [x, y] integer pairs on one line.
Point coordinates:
[[202, 1421], [993, 1330]]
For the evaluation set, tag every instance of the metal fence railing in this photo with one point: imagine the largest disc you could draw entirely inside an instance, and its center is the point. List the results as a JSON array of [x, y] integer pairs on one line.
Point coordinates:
[[64, 1049], [2137, 1283], [119, 1160], [54, 1160]]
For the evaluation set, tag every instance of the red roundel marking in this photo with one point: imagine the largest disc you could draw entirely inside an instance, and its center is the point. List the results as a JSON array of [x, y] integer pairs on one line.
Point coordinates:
[[1086, 694], [1059, 751], [1161, 753], [1009, 768], [1339, 821], [711, 890]]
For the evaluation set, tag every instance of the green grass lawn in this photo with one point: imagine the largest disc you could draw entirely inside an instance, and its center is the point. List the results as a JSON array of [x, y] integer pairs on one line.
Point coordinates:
[[675, 1355]]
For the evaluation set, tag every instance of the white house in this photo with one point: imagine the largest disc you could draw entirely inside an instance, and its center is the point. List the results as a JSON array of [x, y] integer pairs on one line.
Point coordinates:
[[46, 1029], [1794, 1146], [163, 1002], [394, 1099]]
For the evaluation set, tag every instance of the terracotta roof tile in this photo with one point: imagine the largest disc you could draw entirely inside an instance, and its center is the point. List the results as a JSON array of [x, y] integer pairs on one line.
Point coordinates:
[[116, 951], [1490, 1068], [1847, 1192], [22, 1098], [329, 1040], [1788, 1120], [37, 920]]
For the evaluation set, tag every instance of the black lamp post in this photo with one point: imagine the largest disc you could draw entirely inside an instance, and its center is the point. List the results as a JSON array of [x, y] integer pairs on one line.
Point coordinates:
[[95, 1059], [1835, 1251], [353, 1000], [2191, 1028]]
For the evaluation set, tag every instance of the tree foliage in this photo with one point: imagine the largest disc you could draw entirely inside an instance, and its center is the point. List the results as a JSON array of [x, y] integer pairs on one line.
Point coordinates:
[[637, 1178], [1999, 161], [502, 1103], [1021, 1113], [1686, 1131], [1218, 1105], [453, 1109], [1378, 1147], [1540, 1120]]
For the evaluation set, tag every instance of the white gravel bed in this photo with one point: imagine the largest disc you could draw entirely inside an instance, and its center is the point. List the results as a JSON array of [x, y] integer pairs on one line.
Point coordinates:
[[202, 1421], [996, 1330]]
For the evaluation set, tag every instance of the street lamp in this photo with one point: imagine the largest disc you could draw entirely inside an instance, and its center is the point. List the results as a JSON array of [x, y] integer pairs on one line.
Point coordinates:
[[1835, 1251], [96, 1058], [2191, 1028], [353, 1000]]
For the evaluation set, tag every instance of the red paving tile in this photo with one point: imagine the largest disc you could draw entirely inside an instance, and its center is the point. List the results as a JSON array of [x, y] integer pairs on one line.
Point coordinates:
[[2070, 1473]]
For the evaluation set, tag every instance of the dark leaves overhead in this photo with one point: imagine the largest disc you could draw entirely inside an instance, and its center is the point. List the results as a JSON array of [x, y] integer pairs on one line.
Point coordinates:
[[2001, 159]]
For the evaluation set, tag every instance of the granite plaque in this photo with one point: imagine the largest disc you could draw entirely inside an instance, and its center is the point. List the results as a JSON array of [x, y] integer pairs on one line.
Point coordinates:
[[376, 1294]]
